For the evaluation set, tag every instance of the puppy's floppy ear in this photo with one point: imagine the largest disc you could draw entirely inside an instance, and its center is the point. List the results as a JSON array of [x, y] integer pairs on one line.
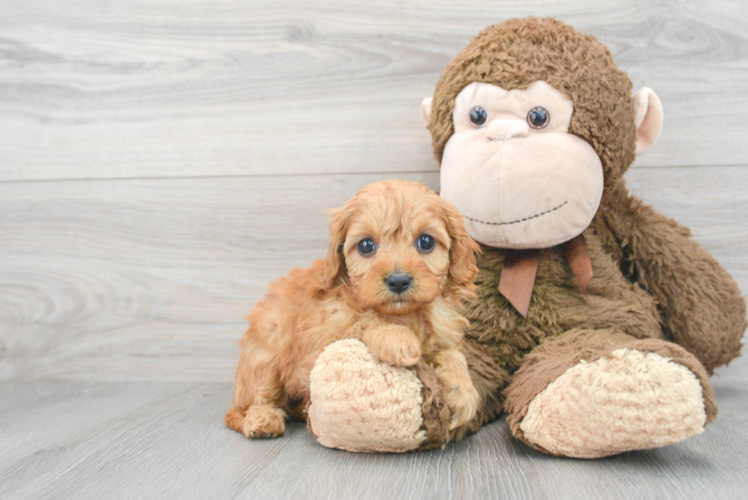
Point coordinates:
[[340, 219], [462, 267]]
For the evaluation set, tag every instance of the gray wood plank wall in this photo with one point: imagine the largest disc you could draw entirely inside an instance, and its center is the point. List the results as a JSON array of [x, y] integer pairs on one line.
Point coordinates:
[[161, 161]]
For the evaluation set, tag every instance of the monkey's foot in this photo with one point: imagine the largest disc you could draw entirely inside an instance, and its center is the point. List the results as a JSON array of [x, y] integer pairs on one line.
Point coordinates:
[[628, 401], [359, 403], [596, 402]]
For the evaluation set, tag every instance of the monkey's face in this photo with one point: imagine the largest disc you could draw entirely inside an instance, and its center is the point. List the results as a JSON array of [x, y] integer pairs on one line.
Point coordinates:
[[514, 170]]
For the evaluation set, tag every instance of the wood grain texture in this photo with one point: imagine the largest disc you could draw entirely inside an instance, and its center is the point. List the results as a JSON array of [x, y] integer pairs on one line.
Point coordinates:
[[150, 276], [151, 279], [158, 440], [168, 88]]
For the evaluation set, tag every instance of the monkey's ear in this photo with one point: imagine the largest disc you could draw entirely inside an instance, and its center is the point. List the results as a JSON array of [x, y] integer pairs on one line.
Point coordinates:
[[426, 111], [647, 118]]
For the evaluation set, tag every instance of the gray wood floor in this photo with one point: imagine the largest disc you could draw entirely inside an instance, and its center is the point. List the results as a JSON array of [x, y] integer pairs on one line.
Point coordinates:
[[159, 440], [162, 160]]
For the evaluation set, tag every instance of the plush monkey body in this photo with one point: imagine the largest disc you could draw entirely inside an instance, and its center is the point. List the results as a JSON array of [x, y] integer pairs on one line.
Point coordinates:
[[621, 367], [558, 305]]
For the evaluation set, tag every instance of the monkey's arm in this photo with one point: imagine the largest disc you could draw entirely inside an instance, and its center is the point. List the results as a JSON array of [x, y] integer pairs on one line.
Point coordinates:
[[699, 302]]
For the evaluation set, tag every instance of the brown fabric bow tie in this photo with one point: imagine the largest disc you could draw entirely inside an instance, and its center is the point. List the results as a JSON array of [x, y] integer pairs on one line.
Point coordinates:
[[520, 267]]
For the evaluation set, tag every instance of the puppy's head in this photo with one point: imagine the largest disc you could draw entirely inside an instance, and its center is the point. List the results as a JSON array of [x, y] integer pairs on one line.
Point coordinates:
[[399, 245]]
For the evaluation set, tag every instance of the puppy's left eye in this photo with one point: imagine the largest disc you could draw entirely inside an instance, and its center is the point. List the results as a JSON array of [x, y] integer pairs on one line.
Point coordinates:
[[366, 246], [425, 243]]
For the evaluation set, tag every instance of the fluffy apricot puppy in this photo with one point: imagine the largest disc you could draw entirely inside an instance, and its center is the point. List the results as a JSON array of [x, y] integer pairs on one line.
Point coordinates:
[[398, 267]]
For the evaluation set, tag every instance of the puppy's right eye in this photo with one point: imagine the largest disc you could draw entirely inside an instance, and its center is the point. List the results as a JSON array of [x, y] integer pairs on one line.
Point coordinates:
[[366, 246]]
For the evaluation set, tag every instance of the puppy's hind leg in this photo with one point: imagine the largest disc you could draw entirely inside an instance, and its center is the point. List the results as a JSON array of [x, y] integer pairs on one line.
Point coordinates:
[[255, 411]]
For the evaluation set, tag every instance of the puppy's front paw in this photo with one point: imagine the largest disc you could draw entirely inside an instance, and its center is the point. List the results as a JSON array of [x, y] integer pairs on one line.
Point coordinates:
[[395, 345], [263, 421], [461, 397]]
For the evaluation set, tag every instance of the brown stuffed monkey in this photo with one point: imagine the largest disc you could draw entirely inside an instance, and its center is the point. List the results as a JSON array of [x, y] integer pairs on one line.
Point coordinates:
[[598, 319]]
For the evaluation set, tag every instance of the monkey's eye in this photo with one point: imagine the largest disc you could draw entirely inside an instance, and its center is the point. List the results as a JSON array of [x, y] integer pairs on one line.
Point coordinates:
[[366, 246], [425, 243], [478, 116], [538, 117]]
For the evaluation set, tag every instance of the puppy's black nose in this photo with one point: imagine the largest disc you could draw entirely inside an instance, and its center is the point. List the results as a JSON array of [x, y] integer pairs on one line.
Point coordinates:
[[398, 283]]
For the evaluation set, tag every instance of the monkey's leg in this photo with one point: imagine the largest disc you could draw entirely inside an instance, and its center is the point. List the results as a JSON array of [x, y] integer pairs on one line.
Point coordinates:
[[595, 393], [359, 403]]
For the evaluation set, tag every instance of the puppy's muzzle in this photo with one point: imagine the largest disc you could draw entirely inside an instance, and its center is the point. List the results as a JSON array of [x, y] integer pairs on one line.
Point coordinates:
[[398, 283]]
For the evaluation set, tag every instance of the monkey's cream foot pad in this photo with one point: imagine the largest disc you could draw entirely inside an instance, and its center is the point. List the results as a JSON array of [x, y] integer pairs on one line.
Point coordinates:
[[362, 404], [628, 401]]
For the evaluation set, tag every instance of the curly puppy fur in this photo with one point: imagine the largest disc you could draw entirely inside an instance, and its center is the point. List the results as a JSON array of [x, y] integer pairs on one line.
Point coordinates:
[[346, 295]]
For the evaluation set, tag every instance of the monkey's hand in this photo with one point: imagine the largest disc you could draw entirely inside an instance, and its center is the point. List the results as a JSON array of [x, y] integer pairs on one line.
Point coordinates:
[[700, 304], [393, 344]]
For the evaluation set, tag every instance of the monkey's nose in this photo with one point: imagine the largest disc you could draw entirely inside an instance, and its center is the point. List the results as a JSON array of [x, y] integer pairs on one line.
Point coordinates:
[[502, 130], [398, 283]]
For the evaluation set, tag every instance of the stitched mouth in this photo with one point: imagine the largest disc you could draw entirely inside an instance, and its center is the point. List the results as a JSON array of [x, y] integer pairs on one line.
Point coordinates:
[[519, 220]]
